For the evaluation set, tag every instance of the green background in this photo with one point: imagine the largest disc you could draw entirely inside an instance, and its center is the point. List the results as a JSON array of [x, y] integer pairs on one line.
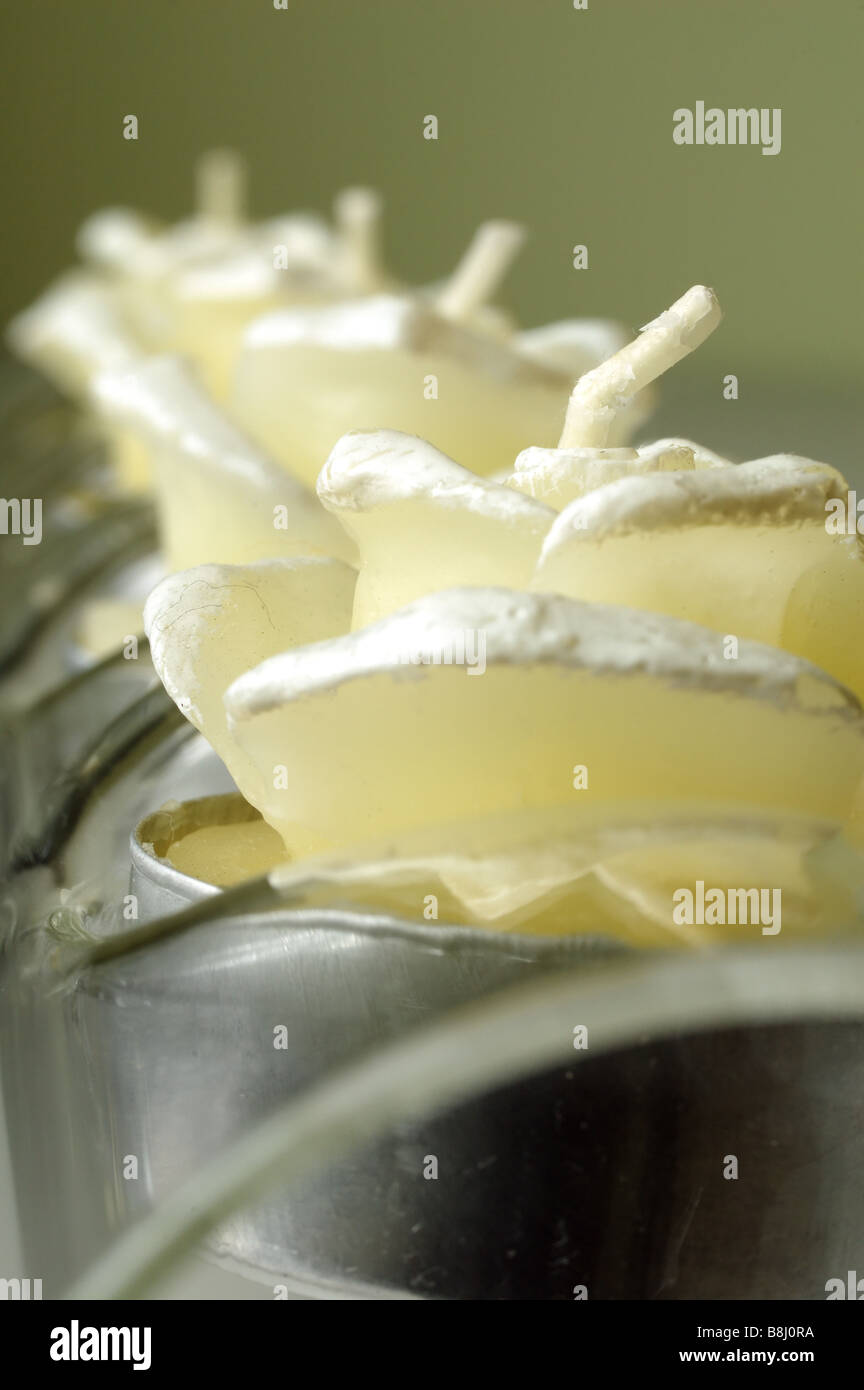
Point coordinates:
[[559, 118]]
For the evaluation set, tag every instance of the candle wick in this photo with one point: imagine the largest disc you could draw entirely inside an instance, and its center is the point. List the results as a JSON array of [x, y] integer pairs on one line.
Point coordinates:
[[358, 226], [481, 270], [601, 394], [220, 183]]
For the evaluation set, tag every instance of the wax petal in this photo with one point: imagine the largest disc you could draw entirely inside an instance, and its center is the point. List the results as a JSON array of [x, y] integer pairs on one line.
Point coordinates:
[[824, 614], [74, 330], [421, 522], [210, 624], [722, 547], [219, 498], [475, 701]]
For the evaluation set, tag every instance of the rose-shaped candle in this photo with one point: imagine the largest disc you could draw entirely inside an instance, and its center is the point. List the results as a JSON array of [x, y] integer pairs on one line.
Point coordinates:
[[421, 364], [433, 750]]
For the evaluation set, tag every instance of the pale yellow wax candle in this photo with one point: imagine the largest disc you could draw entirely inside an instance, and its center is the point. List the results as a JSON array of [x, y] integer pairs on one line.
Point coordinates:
[[432, 364]]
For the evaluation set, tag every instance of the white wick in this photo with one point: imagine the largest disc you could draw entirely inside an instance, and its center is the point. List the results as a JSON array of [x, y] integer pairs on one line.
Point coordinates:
[[358, 222], [492, 251], [220, 183], [599, 395]]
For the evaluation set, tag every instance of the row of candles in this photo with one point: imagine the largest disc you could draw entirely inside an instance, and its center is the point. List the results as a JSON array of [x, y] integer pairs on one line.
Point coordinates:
[[355, 478]]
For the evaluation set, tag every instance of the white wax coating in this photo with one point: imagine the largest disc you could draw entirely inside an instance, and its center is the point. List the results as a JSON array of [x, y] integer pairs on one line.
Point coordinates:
[[538, 629], [785, 488]]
